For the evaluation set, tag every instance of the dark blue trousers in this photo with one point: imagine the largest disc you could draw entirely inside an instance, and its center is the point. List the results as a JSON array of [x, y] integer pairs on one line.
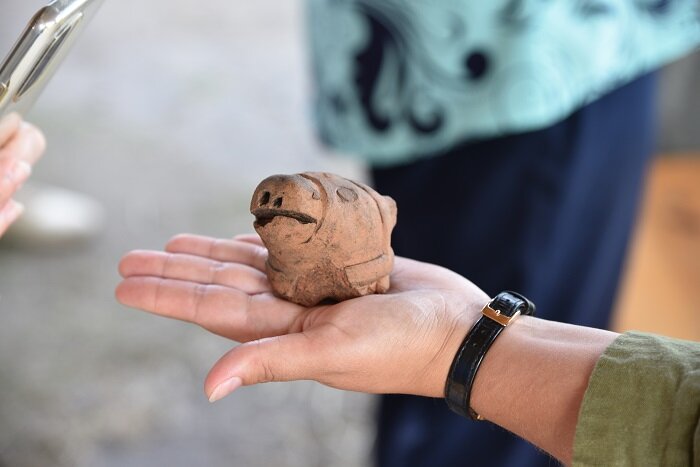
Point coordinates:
[[546, 213]]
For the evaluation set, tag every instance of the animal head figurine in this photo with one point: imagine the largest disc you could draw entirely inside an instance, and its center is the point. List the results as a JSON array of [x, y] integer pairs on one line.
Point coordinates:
[[327, 237]]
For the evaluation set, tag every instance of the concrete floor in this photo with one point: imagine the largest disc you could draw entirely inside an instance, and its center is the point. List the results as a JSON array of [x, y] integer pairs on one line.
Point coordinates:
[[169, 113]]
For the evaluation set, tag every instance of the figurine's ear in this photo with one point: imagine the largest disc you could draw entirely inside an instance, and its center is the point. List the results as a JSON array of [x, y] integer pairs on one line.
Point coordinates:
[[391, 208], [387, 208]]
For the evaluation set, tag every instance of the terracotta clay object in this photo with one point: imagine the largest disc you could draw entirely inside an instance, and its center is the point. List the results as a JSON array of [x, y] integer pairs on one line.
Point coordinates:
[[328, 238]]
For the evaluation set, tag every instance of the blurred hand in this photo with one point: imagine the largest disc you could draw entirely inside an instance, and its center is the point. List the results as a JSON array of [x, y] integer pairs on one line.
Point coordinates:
[[400, 342], [21, 144]]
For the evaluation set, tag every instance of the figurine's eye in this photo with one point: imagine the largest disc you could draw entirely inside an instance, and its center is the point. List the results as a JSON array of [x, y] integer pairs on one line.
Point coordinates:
[[347, 195]]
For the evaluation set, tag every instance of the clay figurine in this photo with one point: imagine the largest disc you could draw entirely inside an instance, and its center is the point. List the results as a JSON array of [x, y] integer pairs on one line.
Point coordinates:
[[328, 238]]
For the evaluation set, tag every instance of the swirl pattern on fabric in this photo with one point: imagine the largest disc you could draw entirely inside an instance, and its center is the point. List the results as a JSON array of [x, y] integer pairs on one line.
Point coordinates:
[[399, 80]]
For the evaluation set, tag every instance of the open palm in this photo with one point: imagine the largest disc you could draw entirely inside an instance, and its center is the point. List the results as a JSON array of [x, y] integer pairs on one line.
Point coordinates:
[[400, 342]]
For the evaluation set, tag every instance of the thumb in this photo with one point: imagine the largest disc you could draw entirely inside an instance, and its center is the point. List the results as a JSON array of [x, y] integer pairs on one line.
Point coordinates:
[[282, 358]]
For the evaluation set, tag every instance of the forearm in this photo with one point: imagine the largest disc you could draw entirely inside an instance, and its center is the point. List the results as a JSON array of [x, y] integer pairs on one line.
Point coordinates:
[[533, 379]]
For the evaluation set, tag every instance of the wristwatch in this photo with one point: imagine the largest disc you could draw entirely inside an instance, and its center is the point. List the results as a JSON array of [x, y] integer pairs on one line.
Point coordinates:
[[496, 315]]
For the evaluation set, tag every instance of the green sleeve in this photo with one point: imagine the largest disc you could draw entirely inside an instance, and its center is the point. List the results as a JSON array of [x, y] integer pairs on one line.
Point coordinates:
[[642, 405]]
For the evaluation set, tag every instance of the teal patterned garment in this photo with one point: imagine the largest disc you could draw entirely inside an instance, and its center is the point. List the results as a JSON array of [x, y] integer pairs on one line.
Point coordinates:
[[398, 80]]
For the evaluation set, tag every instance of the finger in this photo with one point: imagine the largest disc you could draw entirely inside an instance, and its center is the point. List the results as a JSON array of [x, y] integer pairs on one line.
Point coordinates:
[[8, 127], [194, 269], [233, 251], [289, 357], [27, 144], [36, 145], [13, 173], [9, 213], [250, 238], [221, 310]]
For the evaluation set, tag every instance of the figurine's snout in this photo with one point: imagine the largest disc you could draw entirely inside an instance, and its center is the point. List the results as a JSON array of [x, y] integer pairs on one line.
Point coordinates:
[[283, 191], [291, 196], [265, 200], [272, 191]]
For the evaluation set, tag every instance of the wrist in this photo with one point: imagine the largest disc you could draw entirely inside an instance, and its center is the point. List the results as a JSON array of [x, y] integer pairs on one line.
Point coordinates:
[[533, 379], [497, 315], [460, 327]]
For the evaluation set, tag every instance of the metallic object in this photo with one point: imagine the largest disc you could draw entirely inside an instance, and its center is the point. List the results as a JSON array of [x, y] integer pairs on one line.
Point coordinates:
[[39, 50]]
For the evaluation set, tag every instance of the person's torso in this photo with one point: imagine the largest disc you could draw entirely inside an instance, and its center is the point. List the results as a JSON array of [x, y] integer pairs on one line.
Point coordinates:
[[402, 79]]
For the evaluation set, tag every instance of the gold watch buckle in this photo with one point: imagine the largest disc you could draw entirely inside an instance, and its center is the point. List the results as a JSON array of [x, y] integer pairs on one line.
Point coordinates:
[[497, 316]]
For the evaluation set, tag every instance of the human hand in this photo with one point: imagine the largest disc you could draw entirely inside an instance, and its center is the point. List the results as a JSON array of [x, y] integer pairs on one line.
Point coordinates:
[[21, 144], [400, 342]]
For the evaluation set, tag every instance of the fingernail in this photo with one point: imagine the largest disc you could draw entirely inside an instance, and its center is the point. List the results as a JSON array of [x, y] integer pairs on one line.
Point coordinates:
[[225, 388], [12, 211], [20, 172]]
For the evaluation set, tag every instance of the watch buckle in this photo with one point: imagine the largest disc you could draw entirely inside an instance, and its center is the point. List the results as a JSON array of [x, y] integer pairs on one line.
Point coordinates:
[[497, 316]]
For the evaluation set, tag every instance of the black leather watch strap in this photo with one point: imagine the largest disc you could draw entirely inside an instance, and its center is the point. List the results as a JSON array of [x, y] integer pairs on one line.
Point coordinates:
[[496, 315]]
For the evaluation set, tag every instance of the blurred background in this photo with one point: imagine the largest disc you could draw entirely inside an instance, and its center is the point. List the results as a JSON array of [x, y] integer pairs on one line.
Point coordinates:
[[169, 115]]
